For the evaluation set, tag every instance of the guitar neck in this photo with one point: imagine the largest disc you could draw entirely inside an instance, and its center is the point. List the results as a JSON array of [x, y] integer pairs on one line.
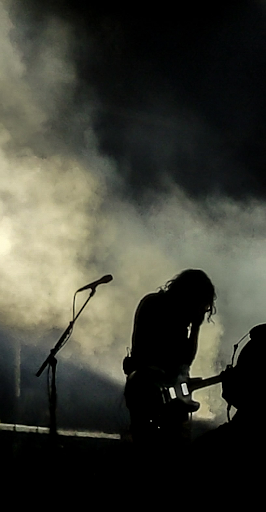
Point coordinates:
[[203, 383]]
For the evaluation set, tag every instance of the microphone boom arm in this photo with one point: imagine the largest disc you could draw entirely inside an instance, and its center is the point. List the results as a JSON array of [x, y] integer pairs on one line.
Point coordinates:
[[62, 340]]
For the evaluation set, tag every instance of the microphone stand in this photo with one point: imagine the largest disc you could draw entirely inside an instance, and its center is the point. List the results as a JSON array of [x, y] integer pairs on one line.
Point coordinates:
[[52, 362]]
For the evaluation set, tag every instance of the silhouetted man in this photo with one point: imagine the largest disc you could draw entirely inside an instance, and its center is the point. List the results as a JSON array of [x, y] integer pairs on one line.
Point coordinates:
[[244, 384], [231, 456], [164, 344]]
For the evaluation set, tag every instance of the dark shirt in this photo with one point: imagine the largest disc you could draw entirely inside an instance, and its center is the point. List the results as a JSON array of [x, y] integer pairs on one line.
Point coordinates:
[[160, 335]]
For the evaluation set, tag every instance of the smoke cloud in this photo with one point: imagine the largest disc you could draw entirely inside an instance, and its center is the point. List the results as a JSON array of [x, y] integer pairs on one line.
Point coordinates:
[[67, 219]]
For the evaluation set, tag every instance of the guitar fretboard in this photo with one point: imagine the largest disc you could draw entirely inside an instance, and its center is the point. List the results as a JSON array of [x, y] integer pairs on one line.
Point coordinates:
[[194, 384]]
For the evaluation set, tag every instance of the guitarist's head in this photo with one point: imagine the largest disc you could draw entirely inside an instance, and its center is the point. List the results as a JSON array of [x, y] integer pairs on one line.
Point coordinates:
[[194, 290]]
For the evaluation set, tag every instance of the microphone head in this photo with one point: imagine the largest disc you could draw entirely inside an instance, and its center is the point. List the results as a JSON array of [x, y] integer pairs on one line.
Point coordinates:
[[107, 278]]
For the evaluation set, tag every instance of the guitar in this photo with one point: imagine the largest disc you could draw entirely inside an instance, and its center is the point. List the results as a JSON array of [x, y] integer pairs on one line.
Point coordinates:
[[151, 382], [183, 388]]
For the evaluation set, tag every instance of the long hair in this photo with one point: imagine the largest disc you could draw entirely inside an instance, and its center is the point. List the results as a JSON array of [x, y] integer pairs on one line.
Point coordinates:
[[195, 286]]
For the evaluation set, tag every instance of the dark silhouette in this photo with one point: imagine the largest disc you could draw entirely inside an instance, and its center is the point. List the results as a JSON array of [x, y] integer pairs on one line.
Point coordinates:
[[243, 388], [234, 452], [164, 344]]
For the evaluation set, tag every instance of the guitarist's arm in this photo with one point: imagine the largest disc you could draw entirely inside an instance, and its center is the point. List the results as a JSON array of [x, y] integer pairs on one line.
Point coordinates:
[[193, 341], [197, 320]]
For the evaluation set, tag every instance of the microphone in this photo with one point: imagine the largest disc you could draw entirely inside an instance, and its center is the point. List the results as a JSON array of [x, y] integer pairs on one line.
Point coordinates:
[[104, 279]]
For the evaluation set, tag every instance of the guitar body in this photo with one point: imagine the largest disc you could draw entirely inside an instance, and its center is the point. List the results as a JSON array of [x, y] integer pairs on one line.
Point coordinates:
[[144, 389]]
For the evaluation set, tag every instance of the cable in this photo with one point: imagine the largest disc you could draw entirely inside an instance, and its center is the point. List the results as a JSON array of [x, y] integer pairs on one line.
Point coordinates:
[[236, 347], [73, 308], [231, 366]]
